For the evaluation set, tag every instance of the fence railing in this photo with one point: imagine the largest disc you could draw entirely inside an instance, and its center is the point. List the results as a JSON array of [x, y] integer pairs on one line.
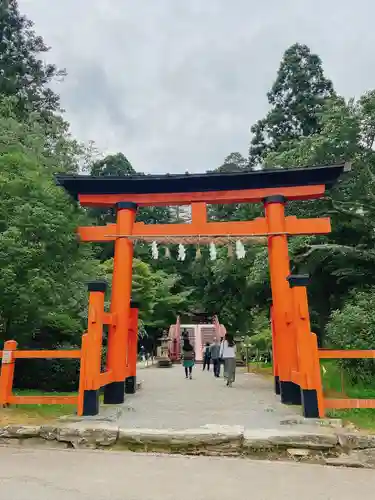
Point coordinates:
[[9, 356], [306, 370], [91, 378], [346, 403]]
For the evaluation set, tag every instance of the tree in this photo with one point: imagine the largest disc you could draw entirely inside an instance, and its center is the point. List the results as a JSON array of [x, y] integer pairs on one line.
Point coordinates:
[[343, 260], [43, 267], [118, 165], [353, 327], [234, 162], [156, 292], [23, 73], [296, 98], [224, 287]]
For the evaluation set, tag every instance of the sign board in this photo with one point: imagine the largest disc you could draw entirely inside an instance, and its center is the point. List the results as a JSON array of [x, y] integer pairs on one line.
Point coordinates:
[[7, 357]]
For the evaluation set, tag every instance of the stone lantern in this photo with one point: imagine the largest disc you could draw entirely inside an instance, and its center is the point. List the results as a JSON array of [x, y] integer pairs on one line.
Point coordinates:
[[163, 360]]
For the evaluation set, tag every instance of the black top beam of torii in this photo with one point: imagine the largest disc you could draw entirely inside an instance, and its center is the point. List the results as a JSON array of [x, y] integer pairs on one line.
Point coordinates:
[[214, 181]]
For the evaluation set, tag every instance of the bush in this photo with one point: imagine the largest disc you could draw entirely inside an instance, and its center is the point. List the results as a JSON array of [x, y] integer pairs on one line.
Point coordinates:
[[48, 375], [353, 327], [261, 336]]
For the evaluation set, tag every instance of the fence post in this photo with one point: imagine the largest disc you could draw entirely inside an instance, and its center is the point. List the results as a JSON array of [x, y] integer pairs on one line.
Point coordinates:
[[94, 347], [132, 349], [7, 371], [307, 349], [82, 374], [275, 366]]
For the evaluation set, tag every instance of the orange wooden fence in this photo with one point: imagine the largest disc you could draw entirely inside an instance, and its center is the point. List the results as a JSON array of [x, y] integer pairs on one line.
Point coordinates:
[[346, 403], [91, 379], [9, 356], [307, 373]]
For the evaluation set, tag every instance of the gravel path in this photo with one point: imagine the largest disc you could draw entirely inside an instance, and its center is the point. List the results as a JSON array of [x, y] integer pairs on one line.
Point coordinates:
[[168, 400]]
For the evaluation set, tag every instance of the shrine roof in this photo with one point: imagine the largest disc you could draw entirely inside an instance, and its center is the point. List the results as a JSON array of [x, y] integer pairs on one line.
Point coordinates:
[[214, 181]]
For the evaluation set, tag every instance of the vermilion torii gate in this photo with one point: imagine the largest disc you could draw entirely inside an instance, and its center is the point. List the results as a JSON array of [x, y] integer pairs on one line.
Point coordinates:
[[274, 188]]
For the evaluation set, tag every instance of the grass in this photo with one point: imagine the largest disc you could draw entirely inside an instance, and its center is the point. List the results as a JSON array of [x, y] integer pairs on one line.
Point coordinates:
[[336, 384], [35, 414], [260, 368]]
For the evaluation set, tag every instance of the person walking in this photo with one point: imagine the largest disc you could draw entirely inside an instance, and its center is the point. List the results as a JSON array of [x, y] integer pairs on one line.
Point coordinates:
[[221, 359], [206, 357], [215, 356], [228, 354], [188, 358]]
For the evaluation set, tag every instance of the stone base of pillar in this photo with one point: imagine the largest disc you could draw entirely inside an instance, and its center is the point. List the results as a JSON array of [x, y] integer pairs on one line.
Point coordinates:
[[114, 393], [310, 403], [90, 403], [290, 393], [163, 362], [277, 385], [130, 385]]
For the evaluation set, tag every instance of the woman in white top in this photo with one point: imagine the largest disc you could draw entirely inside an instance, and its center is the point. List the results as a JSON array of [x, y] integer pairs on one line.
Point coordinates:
[[228, 354]]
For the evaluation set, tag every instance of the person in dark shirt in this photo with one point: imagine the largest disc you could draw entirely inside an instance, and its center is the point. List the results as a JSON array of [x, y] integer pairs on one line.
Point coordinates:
[[206, 357], [188, 358], [215, 357]]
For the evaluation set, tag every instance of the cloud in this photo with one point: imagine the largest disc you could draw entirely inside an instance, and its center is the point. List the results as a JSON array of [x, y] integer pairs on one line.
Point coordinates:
[[176, 84]]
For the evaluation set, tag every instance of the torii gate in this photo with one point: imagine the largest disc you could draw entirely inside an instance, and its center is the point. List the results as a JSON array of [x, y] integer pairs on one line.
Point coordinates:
[[274, 188]]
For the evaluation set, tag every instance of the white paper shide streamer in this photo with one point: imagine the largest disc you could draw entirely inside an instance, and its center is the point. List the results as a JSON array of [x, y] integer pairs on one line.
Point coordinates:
[[213, 253], [154, 250], [181, 252], [240, 250]]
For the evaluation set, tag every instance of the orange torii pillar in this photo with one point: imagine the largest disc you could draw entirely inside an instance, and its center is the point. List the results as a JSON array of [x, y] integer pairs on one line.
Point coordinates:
[[120, 302], [132, 351], [285, 347], [308, 354], [94, 336]]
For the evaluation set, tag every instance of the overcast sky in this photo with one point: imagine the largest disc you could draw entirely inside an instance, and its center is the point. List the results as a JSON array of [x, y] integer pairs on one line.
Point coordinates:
[[176, 84]]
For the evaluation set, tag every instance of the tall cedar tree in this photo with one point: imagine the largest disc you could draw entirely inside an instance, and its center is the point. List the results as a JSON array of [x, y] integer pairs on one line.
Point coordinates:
[[23, 75], [296, 98]]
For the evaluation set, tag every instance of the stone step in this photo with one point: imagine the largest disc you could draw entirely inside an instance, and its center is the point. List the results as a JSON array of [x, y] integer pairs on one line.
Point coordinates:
[[318, 447]]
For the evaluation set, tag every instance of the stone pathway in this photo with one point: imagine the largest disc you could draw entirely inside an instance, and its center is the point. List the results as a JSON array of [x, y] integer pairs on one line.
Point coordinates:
[[168, 400]]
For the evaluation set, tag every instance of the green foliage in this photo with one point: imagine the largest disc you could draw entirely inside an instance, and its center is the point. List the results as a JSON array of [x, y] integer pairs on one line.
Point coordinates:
[[156, 292], [337, 381], [118, 165], [296, 98], [234, 162], [260, 336], [23, 72], [345, 258], [42, 263], [262, 342], [353, 327], [44, 269]]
